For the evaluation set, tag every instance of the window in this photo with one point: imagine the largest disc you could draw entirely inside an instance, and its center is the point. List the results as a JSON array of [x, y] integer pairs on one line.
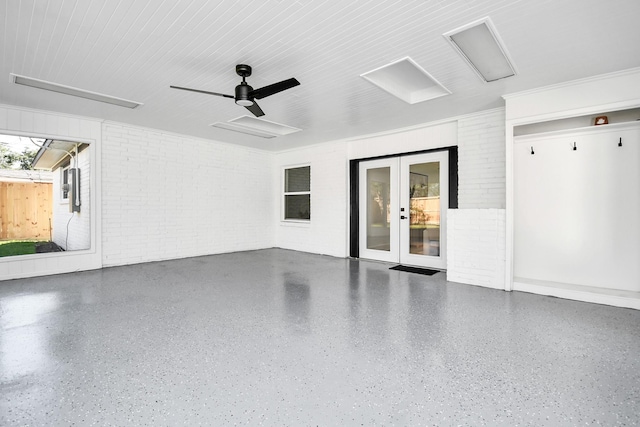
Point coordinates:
[[297, 193], [64, 180]]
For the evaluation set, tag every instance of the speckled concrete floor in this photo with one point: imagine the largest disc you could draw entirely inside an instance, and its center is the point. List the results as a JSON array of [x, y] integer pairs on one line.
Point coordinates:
[[276, 337]]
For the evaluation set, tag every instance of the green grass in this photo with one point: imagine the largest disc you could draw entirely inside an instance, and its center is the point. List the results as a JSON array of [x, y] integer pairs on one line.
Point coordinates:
[[17, 247]]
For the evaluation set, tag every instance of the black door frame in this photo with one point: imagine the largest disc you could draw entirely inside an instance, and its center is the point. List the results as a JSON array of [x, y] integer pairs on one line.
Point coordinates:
[[354, 183]]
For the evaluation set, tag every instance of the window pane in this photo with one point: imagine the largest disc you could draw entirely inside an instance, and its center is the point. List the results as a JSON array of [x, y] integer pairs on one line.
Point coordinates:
[[297, 206], [65, 181], [297, 179]]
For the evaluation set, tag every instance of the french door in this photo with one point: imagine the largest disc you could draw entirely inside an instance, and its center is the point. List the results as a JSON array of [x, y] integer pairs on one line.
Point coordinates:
[[403, 202]]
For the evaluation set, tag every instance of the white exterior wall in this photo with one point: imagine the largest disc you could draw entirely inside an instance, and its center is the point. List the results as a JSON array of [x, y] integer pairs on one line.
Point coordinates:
[[327, 231], [72, 232], [166, 196], [170, 196], [476, 231], [45, 124]]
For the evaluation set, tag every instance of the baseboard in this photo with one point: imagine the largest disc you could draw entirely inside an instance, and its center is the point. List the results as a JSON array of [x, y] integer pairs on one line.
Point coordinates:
[[613, 297]]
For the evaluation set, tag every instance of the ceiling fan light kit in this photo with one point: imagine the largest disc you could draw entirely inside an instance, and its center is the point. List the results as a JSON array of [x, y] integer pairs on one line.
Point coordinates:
[[245, 95]]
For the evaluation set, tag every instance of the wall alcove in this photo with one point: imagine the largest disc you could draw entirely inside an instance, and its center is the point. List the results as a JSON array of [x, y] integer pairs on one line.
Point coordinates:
[[573, 190], [576, 207]]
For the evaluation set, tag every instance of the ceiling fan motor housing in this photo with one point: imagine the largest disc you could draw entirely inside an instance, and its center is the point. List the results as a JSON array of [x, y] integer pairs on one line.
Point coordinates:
[[242, 94]]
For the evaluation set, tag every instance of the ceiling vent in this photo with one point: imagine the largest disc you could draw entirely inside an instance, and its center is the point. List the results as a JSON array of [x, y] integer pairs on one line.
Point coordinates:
[[406, 80], [483, 49], [68, 90], [256, 127]]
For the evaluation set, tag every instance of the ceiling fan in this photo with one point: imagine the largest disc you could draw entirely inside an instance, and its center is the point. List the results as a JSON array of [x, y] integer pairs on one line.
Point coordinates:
[[245, 94]]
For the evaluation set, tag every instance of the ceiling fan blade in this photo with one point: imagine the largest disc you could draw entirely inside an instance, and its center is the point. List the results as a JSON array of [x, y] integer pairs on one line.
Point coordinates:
[[255, 109], [201, 91], [263, 92]]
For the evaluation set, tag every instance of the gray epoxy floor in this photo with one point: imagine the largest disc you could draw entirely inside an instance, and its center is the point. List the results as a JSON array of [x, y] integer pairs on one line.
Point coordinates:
[[277, 337]]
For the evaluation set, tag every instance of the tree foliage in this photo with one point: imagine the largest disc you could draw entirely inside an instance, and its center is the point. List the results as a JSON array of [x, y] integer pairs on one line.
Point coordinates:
[[13, 160]]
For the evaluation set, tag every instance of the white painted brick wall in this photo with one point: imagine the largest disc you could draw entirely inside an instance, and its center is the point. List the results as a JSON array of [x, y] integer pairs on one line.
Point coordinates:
[[476, 247], [327, 231], [73, 231], [481, 173], [481, 160], [169, 196], [476, 231]]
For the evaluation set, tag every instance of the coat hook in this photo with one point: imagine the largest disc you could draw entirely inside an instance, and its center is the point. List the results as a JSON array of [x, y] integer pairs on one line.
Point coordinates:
[[620, 143], [574, 147], [532, 150]]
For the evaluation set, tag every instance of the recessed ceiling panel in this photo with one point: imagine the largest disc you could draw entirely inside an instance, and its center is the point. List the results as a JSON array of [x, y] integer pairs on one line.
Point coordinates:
[[483, 49], [256, 127], [406, 80]]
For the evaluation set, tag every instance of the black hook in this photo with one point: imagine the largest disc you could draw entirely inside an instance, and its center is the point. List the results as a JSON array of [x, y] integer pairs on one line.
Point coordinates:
[[532, 150], [620, 143], [574, 147]]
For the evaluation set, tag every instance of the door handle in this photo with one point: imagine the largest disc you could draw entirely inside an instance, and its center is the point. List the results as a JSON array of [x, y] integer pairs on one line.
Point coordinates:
[[403, 217]]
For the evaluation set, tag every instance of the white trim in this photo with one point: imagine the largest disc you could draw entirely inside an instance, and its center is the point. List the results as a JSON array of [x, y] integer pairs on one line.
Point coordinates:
[[571, 83], [509, 206], [580, 293], [616, 106], [521, 139]]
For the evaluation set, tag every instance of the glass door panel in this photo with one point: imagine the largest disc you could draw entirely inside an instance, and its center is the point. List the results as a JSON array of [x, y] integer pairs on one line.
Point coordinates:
[[378, 209], [424, 195], [424, 208]]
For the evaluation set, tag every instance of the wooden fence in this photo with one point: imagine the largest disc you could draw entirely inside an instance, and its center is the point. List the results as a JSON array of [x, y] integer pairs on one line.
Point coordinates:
[[25, 210]]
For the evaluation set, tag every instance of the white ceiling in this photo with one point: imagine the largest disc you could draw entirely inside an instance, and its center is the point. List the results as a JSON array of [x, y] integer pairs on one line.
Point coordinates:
[[135, 49]]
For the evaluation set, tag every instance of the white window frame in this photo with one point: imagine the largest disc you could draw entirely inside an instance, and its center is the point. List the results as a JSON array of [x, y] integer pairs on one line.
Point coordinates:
[[294, 193], [66, 168]]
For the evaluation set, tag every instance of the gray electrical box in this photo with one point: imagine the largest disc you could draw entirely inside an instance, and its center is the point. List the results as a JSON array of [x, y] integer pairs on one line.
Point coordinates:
[[74, 190]]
